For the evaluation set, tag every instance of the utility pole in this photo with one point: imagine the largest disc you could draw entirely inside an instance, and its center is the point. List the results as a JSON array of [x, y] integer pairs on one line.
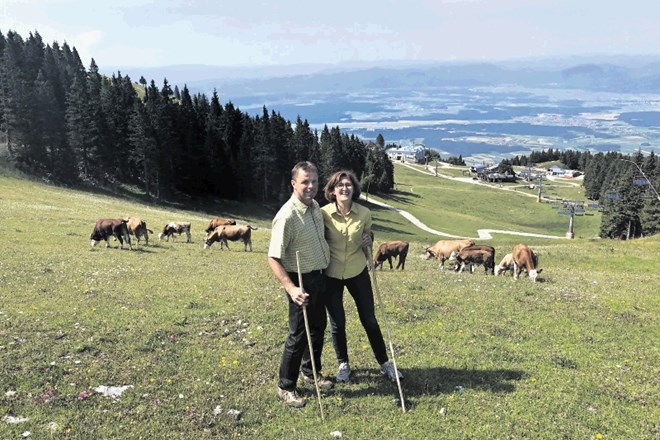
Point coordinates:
[[538, 197], [570, 208]]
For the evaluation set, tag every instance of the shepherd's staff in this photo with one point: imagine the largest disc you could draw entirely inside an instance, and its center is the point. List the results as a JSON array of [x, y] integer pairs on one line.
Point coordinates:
[[309, 337], [387, 325]]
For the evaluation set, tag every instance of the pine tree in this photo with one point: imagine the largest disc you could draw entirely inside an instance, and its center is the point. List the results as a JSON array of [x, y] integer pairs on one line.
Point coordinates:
[[380, 141], [621, 216], [190, 149], [96, 131], [77, 125], [16, 101], [264, 155], [650, 215], [143, 143]]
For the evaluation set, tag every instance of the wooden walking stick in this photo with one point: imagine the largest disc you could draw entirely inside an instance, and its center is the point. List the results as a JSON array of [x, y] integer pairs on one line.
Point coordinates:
[[309, 338], [387, 326]]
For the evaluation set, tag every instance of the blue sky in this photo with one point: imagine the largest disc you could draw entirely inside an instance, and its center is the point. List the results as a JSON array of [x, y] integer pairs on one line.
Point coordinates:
[[150, 33]]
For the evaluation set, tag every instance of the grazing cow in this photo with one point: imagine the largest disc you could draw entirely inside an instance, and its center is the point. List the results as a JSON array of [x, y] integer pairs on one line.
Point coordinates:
[[106, 228], [389, 250], [442, 250], [474, 255], [138, 227], [507, 264], [524, 258], [233, 233], [218, 221], [175, 228]]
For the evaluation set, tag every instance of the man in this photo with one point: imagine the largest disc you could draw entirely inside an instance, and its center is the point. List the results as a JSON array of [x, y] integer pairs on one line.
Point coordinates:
[[298, 226]]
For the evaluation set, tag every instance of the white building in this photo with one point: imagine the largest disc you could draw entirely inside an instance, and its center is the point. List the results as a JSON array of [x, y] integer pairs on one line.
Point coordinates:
[[407, 154]]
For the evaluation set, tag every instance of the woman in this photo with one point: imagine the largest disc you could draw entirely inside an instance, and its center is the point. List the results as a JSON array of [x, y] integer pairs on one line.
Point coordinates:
[[348, 233]]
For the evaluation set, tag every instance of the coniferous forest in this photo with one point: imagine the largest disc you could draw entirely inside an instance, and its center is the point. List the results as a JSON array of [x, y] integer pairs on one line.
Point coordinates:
[[624, 187], [72, 125]]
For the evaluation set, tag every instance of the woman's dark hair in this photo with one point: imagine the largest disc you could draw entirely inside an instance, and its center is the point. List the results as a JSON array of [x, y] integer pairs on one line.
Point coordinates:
[[333, 181]]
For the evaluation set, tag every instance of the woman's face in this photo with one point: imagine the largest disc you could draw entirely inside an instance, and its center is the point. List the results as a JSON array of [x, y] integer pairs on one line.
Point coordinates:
[[344, 190]]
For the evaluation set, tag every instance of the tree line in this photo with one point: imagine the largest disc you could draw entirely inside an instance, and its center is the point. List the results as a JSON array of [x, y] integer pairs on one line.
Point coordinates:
[[72, 125], [623, 185]]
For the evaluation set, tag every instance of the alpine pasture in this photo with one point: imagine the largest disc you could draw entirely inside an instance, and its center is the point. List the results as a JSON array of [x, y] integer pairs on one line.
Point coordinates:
[[196, 335]]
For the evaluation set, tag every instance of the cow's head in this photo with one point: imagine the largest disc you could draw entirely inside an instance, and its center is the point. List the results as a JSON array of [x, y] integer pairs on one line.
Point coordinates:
[[95, 237], [453, 255], [498, 270], [429, 253], [534, 273], [215, 236]]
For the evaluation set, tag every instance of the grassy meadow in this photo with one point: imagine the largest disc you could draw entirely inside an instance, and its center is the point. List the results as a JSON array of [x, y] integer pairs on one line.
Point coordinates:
[[197, 334]]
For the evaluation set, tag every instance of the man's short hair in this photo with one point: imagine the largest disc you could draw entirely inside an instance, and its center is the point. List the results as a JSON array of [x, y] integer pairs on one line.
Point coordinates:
[[305, 166]]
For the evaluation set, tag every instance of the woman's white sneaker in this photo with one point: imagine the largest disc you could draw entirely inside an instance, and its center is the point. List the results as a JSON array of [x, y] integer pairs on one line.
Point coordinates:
[[388, 370], [344, 372]]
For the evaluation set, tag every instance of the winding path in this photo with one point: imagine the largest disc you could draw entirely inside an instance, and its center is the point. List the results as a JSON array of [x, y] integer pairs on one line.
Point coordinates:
[[483, 234]]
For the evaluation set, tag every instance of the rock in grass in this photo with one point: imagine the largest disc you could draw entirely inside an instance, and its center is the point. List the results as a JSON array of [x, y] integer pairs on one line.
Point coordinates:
[[113, 392], [234, 414], [11, 420]]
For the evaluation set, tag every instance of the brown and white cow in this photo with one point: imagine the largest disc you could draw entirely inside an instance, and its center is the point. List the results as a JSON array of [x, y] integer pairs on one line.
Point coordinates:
[[138, 228], [218, 221], [474, 255], [233, 233], [110, 227], [389, 250], [524, 258], [507, 264], [175, 228], [442, 249]]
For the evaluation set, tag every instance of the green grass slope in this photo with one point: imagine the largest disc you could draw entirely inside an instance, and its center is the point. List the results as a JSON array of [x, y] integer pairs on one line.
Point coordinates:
[[197, 333]]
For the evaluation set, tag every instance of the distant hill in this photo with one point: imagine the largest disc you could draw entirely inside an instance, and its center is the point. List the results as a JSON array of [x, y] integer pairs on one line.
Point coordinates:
[[482, 111], [603, 73]]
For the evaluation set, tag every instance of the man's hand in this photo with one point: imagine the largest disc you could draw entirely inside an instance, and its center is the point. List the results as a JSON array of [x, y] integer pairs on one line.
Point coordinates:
[[299, 296]]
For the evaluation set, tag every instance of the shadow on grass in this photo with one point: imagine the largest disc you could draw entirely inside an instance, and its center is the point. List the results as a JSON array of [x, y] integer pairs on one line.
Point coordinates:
[[399, 197], [425, 381]]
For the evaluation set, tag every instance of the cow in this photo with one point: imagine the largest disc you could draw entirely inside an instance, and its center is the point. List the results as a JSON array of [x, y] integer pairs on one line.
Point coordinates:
[[389, 250], [233, 233], [473, 255], [507, 264], [172, 228], [442, 249], [524, 258], [138, 228], [110, 227], [218, 221]]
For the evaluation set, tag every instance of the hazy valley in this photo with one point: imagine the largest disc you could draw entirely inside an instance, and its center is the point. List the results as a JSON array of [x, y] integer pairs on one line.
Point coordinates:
[[484, 112]]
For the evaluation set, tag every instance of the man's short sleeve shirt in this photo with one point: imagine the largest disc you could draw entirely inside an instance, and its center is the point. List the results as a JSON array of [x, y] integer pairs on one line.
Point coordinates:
[[298, 227]]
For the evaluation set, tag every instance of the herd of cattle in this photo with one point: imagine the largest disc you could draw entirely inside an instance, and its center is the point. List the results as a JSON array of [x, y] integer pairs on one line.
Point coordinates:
[[463, 252], [121, 229]]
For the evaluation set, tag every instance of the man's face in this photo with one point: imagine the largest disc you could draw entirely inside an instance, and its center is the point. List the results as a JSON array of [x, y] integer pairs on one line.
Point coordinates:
[[305, 186]]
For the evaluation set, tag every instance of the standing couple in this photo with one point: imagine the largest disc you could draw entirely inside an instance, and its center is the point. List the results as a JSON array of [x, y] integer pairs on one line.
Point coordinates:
[[332, 242]]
